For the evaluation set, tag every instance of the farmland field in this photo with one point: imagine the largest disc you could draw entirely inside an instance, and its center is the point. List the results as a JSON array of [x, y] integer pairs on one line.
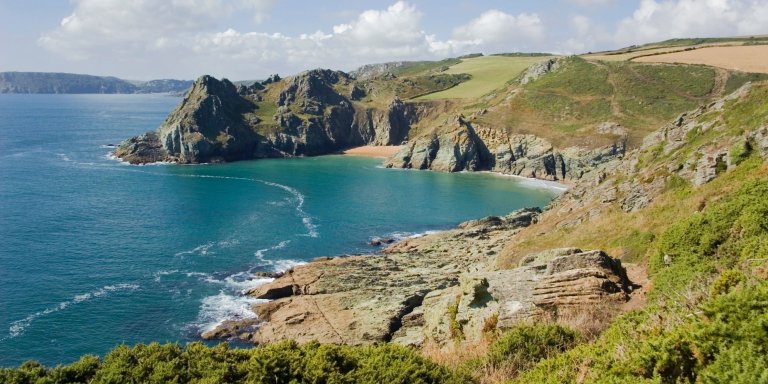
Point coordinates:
[[747, 58], [488, 73]]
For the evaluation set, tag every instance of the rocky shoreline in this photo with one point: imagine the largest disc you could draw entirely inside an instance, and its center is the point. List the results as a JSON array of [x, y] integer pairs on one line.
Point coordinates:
[[434, 288]]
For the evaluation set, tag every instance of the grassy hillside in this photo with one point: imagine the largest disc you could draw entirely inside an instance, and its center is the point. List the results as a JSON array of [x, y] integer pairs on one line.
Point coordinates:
[[487, 73], [568, 104]]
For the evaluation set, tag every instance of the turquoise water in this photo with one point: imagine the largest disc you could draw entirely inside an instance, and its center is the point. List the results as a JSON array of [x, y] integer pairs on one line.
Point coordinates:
[[94, 253]]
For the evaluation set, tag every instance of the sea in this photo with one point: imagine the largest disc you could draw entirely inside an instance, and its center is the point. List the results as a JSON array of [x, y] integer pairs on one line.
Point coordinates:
[[95, 253]]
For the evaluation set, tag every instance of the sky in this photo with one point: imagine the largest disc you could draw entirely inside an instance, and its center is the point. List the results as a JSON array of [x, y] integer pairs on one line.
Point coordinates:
[[251, 39]]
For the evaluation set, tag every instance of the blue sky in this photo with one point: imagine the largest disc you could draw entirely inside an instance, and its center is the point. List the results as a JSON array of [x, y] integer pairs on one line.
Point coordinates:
[[250, 39]]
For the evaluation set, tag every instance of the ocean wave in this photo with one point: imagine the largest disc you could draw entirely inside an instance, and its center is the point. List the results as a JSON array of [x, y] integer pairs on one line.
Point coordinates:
[[216, 309], [260, 253], [19, 326]]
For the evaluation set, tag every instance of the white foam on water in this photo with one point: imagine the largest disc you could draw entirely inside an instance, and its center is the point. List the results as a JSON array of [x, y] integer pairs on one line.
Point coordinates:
[[277, 265], [199, 250], [244, 281], [398, 236], [209, 248], [19, 326], [260, 253], [216, 309], [306, 219]]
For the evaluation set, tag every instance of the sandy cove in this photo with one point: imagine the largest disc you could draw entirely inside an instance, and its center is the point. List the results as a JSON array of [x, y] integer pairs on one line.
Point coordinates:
[[381, 151]]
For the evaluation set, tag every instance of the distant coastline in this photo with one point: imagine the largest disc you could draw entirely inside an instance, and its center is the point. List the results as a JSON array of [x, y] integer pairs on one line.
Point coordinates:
[[69, 83]]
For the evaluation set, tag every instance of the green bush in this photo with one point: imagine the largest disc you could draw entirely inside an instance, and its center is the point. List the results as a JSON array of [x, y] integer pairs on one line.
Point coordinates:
[[695, 248], [741, 363], [523, 346], [285, 362]]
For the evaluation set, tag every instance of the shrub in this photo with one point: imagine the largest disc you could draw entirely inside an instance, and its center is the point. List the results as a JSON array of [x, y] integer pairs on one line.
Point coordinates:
[[523, 346], [284, 362]]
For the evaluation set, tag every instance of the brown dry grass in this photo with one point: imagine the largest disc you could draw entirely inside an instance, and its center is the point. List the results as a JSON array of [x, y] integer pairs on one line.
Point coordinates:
[[748, 58]]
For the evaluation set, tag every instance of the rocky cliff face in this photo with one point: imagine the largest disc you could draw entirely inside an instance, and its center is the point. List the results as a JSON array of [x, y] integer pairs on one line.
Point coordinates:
[[216, 121], [454, 149], [461, 147]]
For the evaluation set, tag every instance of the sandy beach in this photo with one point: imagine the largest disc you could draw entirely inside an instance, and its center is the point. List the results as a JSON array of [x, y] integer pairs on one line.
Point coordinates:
[[373, 151]]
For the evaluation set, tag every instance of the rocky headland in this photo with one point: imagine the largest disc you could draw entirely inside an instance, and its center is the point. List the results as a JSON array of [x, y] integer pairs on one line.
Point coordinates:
[[435, 288], [322, 112]]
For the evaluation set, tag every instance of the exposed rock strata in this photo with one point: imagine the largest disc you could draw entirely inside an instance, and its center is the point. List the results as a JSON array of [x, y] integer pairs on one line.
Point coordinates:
[[466, 148]]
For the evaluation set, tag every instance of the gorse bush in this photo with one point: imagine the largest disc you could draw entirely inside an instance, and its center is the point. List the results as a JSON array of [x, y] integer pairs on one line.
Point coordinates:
[[697, 247], [285, 362], [523, 346]]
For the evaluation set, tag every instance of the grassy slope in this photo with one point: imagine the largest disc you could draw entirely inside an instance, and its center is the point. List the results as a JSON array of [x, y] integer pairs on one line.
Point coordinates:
[[567, 105], [709, 301], [488, 73]]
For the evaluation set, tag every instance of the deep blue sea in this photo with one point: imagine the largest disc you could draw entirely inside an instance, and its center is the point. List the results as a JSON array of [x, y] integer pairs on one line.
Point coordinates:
[[95, 253]]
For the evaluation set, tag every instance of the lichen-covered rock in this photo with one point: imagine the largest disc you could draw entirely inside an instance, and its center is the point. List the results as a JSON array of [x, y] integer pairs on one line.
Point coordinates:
[[368, 299], [546, 285], [540, 69]]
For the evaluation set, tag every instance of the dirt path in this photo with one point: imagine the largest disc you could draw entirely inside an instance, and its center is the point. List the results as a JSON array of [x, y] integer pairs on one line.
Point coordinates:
[[637, 274], [721, 78], [615, 107]]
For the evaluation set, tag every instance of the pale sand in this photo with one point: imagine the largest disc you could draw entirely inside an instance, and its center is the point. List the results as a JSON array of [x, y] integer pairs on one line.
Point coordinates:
[[748, 58], [373, 151]]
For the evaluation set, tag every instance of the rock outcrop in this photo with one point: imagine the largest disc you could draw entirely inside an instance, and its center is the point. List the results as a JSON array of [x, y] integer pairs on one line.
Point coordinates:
[[457, 149], [212, 123], [546, 286], [540, 69], [464, 148]]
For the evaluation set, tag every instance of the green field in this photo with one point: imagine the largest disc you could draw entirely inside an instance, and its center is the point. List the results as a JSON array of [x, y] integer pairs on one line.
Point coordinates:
[[488, 73]]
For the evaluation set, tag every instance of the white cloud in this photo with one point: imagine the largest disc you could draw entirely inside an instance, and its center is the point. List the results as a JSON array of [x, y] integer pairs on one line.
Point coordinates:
[[187, 35], [659, 20], [500, 29], [131, 25], [186, 38]]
